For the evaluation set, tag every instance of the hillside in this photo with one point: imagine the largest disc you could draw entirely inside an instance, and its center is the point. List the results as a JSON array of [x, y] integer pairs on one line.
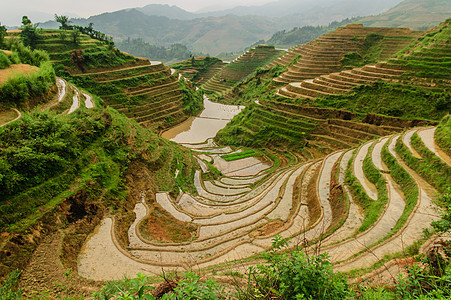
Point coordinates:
[[423, 64], [343, 48], [414, 14], [227, 31], [360, 92], [244, 65], [333, 182], [199, 69], [150, 93]]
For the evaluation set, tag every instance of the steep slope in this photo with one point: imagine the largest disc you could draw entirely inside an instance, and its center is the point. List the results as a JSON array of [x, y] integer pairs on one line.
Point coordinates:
[[199, 70], [415, 14], [322, 120], [240, 68], [424, 64], [299, 201], [151, 93], [330, 52]]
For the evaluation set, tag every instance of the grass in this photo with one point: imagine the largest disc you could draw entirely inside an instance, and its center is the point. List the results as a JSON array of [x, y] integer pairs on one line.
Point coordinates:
[[240, 155], [372, 209], [407, 184], [443, 135], [7, 115], [430, 167], [396, 100]]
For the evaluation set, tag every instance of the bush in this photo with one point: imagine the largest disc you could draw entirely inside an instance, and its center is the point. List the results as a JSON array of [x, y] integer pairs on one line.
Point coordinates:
[[23, 54], [4, 60], [293, 275], [40, 146], [190, 287], [20, 88]]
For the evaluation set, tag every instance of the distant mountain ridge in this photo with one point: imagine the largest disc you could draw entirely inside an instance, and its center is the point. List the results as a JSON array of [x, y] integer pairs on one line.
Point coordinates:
[[415, 14], [164, 25]]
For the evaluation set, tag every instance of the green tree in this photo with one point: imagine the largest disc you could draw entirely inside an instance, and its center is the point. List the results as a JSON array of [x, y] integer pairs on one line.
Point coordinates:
[[63, 20], [26, 21], [3, 33], [75, 34], [29, 34]]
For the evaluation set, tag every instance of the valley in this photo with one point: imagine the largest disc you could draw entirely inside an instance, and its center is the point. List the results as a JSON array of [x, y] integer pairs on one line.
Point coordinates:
[[122, 177]]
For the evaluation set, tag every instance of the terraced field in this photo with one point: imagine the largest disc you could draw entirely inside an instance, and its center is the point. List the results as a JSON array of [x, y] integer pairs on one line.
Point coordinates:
[[237, 216], [417, 60], [241, 67], [148, 92], [318, 132], [201, 69], [325, 54]]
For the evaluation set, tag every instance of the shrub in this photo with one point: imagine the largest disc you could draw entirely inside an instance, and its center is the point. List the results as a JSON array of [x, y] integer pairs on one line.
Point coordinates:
[[4, 60], [20, 88], [293, 275], [190, 287]]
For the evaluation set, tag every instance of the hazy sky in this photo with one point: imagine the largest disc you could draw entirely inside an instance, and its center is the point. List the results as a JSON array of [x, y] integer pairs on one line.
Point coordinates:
[[42, 10]]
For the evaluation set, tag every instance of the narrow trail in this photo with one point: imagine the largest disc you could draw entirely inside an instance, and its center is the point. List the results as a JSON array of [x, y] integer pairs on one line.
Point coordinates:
[[19, 115], [427, 136], [369, 188], [44, 272], [407, 141]]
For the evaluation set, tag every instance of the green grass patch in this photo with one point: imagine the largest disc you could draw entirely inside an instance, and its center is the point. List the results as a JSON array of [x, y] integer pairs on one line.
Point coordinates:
[[430, 167], [240, 155], [407, 184], [396, 100], [372, 209], [443, 135]]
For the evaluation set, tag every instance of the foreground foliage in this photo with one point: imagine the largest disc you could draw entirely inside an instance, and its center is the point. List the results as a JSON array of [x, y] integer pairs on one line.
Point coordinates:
[[293, 275]]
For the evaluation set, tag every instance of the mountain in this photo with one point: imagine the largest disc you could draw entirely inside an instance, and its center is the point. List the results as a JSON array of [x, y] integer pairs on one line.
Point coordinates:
[[164, 25], [207, 35], [415, 14], [307, 8], [165, 10]]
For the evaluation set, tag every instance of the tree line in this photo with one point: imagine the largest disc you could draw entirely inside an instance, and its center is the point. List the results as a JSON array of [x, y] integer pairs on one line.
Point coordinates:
[[138, 47]]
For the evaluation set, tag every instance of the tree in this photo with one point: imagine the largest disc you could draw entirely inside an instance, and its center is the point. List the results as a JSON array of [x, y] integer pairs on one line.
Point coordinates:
[[26, 21], [75, 34], [29, 34], [63, 20], [3, 33], [90, 28]]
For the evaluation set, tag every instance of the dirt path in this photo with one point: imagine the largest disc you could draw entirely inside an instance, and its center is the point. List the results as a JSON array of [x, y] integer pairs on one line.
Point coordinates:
[[45, 274], [427, 136], [369, 188], [61, 83], [19, 115], [406, 139]]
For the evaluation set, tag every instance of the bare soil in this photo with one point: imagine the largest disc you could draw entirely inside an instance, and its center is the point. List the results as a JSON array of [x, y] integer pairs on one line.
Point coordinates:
[[161, 226], [268, 229], [22, 69], [46, 277]]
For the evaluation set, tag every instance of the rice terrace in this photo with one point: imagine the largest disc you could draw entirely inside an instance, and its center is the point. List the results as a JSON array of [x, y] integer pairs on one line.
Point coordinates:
[[313, 163]]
